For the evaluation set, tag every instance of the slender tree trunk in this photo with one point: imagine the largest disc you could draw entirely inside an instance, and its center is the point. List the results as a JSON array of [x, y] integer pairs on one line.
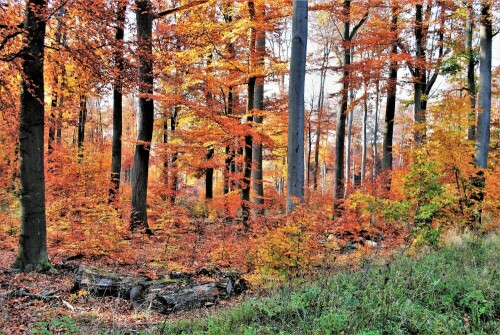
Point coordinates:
[[375, 131], [116, 148], [173, 177], [209, 175], [420, 76], [483, 124], [390, 108], [364, 139], [471, 82], [247, 150], [257, 173], [82, 121], [321, 100], [32, 252], [295, 157], [339, 182], [138, 215], [348, 151]]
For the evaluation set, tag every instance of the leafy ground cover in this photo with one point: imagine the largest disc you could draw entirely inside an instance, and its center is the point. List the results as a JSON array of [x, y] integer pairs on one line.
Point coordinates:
[[454, 290]]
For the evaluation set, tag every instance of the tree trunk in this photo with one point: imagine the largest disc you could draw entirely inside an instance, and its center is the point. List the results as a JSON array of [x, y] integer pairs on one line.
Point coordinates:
[[348, 151], [364, 140], [82, 120], [420, 76], [116, 148], [209, 174], [138, 215], [390, 108], [173, 179], [257, 173], [483, 124], [321, 101], [375, 131], [32, 252], [471, 82], [338, 183], [295, 156]]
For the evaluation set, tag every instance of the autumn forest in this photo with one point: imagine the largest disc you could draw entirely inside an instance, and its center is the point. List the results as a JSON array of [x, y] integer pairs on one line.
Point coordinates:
[[241, 144]]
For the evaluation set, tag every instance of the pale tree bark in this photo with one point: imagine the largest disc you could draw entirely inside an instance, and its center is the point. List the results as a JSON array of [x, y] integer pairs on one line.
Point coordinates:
[[375, 131], [484, 103], [295, 156], [116, 147], [138, 215], [32, 252]]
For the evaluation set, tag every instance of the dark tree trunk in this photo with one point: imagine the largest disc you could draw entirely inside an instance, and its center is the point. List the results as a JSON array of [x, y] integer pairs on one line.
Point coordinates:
[[295, 148], [338, 183], [471, 82], [247, 150], [390, 109], [32, 253], [420, 75], [82, 120], [209, 175], [116, 149], [138, 215]]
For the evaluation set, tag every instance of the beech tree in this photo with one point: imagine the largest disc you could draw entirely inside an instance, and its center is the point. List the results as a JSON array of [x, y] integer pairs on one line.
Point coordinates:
[[116, 151], [483, 121], [32, 253], [138, 215], [295, 156]]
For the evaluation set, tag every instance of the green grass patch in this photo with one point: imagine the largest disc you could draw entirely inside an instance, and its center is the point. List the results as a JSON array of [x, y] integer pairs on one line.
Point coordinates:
[[454, 290]]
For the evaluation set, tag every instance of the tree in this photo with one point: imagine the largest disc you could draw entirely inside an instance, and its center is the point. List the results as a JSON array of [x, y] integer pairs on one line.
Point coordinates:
[[116, 149], [390, 107], [483, 122], [295, 156], [347, 36], [32, 253], [138, 215]]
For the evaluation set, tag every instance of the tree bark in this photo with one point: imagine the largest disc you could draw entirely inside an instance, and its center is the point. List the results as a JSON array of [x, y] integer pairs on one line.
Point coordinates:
[[138, 215], [338, 183], [32, 252], [82, 120], [257, 173], [364, 139], [116, 148], [484, 103], [471, 82], [390, 108], [209, 174], [295, 156]]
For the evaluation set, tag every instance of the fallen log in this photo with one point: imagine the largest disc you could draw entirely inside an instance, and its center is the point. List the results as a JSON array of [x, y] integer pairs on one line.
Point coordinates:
[[165, 296]]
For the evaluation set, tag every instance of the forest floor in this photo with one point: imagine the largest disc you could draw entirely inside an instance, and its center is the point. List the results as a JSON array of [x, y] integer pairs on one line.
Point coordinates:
[[67, 312], [450, 291]]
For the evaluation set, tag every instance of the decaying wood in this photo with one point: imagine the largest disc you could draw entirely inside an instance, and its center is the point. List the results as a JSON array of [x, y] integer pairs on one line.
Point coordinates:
[[176, 293]]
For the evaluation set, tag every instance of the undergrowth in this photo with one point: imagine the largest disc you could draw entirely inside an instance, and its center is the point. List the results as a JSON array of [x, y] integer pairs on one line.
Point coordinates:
[[454, 290]]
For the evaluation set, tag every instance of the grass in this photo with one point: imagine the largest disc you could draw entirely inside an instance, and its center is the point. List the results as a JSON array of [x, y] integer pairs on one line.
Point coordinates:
[[454, 290]]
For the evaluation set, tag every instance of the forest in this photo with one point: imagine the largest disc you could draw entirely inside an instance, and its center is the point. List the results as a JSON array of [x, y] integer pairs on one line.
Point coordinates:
[[216, 166]]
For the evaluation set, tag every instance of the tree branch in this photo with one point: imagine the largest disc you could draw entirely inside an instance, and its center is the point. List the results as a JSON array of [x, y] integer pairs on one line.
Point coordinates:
[[176, 9], [357, 26]]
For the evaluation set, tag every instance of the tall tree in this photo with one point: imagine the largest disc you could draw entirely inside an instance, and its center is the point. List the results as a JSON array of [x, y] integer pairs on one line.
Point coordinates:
[[295, 156], [32, 253], [116, 149], [347, 36], [471, 63], [390, 107], [257, 173], [138, 215], [483, 121]]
